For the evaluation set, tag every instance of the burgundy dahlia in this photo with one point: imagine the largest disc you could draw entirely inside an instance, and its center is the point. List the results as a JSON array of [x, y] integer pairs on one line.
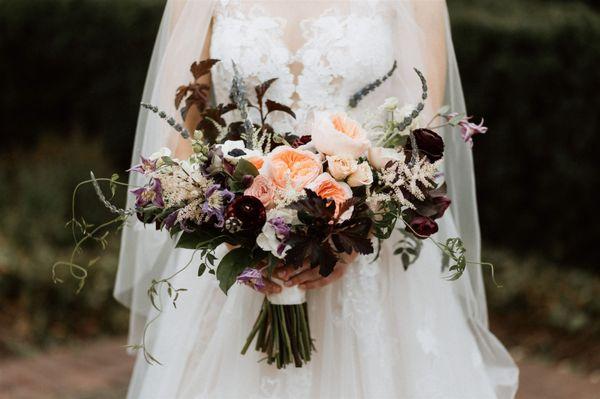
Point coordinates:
[[429, 143], [440, 203], [249, 211], [423, 226]]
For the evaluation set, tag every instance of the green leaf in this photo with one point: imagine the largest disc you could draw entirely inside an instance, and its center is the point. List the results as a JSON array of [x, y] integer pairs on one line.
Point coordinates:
[[232, 265], [244, 168], [113, 187], [93, 261], [443, 109], [201, 269], [200, 240], [168, 161], [454, 121]]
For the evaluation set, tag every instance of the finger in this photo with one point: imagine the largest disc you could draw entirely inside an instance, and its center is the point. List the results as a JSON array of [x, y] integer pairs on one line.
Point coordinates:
[[307, 275], [310, 285], [270, 287], [321, 281], [286, 272]]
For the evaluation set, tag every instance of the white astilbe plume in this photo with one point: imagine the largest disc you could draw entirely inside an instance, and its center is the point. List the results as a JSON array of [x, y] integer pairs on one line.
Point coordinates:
[[180, 186], [285, 196], [192, 212], [401, 175]]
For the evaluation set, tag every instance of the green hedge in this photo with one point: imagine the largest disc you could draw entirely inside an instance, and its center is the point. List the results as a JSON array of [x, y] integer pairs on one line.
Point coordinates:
[[532, 71], [74, 65], [529, 67], [35, 203]]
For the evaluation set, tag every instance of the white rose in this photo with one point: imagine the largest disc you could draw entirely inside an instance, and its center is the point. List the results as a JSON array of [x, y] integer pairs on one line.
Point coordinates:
[[189, 167], [390, 104], [362, 176], [337, 134], [341, 167], [163, 152], [158, 155], [379, 156], [233, 150]]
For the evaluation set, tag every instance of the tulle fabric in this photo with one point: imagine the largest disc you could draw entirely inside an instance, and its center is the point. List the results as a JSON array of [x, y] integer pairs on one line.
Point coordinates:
[[380, 331]]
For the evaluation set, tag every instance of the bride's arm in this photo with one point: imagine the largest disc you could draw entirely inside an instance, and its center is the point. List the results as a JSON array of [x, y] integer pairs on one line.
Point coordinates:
[[430, 17], [183, 147]]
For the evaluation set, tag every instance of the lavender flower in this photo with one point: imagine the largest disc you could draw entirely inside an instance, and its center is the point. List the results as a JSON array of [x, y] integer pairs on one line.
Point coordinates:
[[149, 194], [253, 277], [147, 166]]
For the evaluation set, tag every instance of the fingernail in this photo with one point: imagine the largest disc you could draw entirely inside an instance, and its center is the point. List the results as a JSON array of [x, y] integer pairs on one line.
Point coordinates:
[[288, 283]]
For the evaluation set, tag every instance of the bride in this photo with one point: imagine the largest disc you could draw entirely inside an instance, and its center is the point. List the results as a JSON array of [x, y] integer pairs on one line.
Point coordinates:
[[380, 331]]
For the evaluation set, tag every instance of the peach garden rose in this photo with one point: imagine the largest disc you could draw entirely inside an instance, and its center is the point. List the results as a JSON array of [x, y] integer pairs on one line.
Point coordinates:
[[337, 134], [263, 189], [325, 186], [341, 167], [291, 165]]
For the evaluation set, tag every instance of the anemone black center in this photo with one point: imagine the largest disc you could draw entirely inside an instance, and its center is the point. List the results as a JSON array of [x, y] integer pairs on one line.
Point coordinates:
[[236, 152]]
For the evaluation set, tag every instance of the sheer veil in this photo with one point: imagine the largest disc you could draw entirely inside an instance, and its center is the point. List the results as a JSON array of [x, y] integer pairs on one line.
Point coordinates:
[[144, 251], [182, 34]]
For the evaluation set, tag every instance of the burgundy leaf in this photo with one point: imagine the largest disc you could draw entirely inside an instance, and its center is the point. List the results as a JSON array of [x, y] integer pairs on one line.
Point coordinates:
[[262, 88], [201, 68], [275, 106]]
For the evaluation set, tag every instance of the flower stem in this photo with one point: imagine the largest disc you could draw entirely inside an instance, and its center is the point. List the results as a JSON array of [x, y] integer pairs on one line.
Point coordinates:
[[282, 332]]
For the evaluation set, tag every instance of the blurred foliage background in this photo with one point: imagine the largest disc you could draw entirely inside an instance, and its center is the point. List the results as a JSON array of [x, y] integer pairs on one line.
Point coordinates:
[[72, 73]]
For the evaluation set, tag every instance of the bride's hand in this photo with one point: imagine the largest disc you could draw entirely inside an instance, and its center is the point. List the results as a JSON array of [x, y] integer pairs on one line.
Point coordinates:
[[309, 278]]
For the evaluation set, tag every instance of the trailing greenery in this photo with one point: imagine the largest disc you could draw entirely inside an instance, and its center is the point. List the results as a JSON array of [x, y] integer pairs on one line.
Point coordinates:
[[35, 201], [530, 68], [79, 65]]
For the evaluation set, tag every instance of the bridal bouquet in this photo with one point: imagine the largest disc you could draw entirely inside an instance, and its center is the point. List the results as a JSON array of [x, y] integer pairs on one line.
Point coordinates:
[[300, 199]]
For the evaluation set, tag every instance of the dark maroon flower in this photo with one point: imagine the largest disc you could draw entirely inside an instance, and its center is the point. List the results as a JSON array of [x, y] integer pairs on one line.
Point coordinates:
[[300, 141], [249, 211], [429, 143], [440, 204], [422, 226]]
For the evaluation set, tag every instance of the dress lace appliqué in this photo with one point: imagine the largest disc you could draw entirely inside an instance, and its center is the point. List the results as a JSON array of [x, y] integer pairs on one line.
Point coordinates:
[[339, 53]]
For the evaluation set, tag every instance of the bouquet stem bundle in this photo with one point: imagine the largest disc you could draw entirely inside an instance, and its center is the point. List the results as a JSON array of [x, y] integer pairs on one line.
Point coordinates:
[[282, 333]]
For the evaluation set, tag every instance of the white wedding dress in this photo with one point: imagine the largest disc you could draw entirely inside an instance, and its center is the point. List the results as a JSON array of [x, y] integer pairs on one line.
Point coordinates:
[[380, 331]]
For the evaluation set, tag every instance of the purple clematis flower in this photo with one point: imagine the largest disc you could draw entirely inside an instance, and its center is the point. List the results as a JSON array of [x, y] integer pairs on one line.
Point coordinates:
[[469, 129], [151, 194], [170, 220], [253, 277], [147, 166], [216, 200], [282, 229]]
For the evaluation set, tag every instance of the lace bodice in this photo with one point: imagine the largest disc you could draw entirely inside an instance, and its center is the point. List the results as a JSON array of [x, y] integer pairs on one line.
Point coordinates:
[[319, 62]]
